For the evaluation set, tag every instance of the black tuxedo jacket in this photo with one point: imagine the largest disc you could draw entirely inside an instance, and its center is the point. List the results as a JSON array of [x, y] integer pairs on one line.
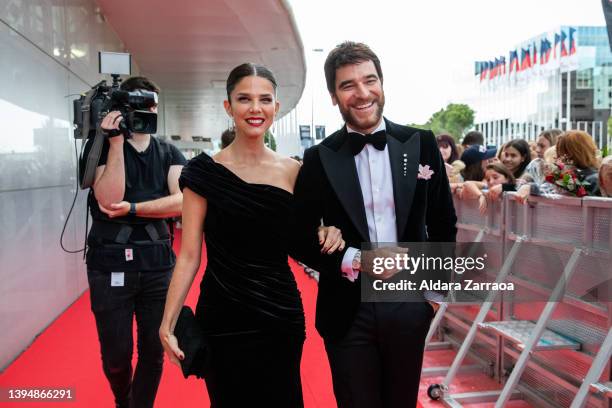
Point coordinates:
[[328, 189]]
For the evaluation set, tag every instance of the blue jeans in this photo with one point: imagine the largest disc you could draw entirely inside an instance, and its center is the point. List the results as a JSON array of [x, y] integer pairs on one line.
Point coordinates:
[[143, 294]]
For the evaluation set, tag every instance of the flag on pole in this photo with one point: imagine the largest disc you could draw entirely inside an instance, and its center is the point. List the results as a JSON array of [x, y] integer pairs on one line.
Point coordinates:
[[545, 50], [484, 70], [514, 61], [535, 54], [563, 48], [572, 41], [557, 40], [525, 59], [493, 69]]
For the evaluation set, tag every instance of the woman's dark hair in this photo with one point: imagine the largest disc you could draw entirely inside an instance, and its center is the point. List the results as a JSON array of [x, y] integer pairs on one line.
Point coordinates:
[[134, 83], [522, 147], [473, 138], [348, 53], [473, 172], [227, 137], [447, 140], [245, 70], [503, 170]]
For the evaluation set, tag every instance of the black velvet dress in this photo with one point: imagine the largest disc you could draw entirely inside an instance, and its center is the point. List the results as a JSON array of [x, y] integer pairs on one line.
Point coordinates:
[[249, 305]]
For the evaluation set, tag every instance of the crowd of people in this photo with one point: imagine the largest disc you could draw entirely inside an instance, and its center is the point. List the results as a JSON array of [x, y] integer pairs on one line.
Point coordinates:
[[557, 163]]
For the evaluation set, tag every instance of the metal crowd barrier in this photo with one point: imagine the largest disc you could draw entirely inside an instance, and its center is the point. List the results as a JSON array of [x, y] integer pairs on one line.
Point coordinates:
[[551, 353]]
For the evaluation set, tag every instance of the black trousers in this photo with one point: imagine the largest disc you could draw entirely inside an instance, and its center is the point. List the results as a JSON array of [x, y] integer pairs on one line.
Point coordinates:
[[378, 363], [143, 295]]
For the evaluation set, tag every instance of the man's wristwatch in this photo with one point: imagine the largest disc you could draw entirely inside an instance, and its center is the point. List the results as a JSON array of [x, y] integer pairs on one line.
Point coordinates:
[[132, 209], [356, 265]]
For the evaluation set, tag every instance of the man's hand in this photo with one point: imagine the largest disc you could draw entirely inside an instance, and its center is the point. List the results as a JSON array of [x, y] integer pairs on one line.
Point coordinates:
[[380, 255], [330, 239], [110, 124], [116, 209]]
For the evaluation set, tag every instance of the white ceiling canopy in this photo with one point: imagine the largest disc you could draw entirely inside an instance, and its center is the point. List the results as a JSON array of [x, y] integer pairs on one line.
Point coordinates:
[[188, 47]]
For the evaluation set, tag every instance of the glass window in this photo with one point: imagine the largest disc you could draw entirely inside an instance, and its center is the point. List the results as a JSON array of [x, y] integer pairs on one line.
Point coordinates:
[[584, 78]]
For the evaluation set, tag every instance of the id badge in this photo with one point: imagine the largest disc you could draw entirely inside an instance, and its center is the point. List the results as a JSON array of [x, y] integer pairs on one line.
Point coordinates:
[[117, 279], [129, 254]]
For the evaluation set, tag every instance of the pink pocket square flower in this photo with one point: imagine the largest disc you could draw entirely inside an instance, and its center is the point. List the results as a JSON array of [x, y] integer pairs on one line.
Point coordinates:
[[425, 172]]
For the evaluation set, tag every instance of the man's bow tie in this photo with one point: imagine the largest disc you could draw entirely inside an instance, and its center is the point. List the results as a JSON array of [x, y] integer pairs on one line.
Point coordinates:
[[358, 141]]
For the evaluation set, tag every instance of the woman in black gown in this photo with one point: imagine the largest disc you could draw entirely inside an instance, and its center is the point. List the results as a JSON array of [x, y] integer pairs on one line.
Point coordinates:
[[249, 305]]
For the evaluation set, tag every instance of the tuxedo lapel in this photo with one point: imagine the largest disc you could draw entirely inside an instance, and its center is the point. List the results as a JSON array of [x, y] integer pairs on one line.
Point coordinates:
[[342, 174], [404, 155]]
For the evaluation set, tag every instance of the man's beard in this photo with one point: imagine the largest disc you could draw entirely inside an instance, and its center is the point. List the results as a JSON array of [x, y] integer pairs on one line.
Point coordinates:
[[354, 122]]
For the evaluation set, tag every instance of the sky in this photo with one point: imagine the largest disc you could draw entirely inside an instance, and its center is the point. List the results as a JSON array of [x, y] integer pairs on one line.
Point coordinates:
[[427, 48]]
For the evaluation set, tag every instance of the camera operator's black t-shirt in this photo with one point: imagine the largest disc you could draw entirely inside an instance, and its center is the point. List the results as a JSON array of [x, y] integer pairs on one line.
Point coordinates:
[[146, 173]]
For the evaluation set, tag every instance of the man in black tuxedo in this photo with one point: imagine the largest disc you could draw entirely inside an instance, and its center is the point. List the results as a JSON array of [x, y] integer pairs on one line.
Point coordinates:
[[372, 179]]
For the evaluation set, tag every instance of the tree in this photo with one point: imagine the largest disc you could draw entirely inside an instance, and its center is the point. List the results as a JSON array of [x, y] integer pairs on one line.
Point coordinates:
[[454, 120]]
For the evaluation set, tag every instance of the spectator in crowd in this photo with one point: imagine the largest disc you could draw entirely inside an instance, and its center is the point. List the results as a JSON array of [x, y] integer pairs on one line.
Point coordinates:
[[472, 138], [476, 158], [516, 156], [450, 155], [605, 177], [546, 139], [227, 137], [496, 174], [577, 148]]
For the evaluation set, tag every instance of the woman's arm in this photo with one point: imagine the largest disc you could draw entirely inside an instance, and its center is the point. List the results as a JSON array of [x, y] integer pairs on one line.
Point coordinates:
[[194, 213]]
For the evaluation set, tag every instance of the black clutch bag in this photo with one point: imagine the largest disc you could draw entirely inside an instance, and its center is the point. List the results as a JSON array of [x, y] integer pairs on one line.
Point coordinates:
[[192, 342]]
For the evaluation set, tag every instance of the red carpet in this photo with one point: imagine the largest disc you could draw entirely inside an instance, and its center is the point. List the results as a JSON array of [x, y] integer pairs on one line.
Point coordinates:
[[67, 354]]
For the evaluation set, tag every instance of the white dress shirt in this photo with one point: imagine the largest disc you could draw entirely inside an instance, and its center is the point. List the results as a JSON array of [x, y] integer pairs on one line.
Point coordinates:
[[375, 179]]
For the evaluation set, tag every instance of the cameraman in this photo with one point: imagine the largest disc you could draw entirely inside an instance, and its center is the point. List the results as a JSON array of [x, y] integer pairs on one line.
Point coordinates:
[[130, 258]]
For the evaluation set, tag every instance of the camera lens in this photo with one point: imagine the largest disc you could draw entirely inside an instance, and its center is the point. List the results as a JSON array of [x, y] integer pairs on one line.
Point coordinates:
[[138, 124]]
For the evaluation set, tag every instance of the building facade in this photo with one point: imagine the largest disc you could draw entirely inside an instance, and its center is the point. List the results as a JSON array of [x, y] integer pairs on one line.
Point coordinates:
[[561, 78]]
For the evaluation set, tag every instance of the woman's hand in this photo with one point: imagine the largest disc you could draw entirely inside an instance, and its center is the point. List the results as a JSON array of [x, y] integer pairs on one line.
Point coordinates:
[[170, 344], [330, 239]]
